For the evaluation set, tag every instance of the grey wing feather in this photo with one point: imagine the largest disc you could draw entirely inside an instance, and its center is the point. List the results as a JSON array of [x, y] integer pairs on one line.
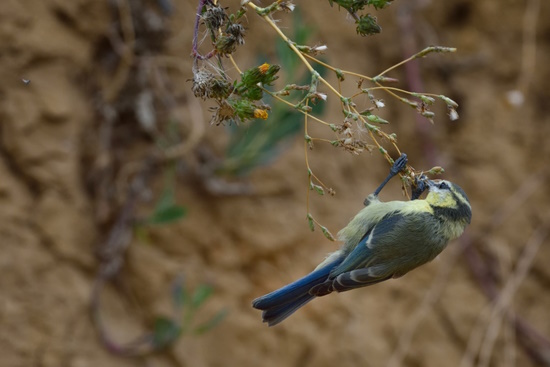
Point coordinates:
[[356, 279], [347, 281]]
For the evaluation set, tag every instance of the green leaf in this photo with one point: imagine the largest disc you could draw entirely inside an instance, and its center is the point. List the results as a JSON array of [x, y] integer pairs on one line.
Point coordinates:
[[318, 189], [310, 222], [377, 119], [165, 332], [327, 233], [166, 200], [202, 293], [212, 323], [413, 104], [428, 114], [449, 101], [167, 214], [367, 25], [379, 4], [437, 170], [437, 49], [426, 99]]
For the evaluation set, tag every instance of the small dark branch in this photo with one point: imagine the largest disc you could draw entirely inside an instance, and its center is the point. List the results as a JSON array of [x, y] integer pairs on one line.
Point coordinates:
[[111, 254], [536, 345], [196, 54]]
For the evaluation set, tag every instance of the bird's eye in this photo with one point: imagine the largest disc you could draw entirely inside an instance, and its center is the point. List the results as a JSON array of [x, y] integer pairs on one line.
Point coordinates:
[[444, 186]]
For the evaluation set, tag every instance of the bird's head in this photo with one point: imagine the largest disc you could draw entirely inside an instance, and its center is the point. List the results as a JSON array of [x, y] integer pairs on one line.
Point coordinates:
[[449, 201]]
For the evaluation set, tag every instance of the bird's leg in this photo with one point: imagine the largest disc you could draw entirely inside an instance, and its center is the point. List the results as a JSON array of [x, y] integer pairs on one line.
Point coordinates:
[[399, 164]]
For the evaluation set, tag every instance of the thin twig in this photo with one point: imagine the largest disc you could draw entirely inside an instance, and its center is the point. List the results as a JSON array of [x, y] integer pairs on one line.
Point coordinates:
[[127, 53], [111, 254], [506, 295], [502, 301], [196, 123], [532, 342], [196, 54], [432, 295], [323, 80], [414, 79], [529, 45]]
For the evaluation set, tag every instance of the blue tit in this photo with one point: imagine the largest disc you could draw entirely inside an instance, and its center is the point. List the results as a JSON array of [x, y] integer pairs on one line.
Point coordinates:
[[384, 240]]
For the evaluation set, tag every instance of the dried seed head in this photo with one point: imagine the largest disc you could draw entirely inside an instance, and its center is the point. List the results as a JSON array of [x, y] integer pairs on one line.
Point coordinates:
[[287, 6], [225, 45], [214, 17], [233, 36], [379, 103], [206, 85], [224, 112], [453, 115], [320, 48], [201, 82], [236, 30]]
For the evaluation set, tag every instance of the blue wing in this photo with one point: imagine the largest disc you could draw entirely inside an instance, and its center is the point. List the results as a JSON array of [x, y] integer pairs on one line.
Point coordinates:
[[364, 254], [364, 265]]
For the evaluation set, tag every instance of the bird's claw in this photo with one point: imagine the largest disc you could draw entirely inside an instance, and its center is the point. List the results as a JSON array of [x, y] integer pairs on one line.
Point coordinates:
[[399, 164]]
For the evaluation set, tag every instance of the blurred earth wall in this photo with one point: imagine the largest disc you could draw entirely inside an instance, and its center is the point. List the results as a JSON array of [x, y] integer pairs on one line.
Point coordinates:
[[247, 245]]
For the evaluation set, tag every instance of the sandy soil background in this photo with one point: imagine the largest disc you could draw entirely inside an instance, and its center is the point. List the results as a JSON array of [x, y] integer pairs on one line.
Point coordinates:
[[70, 140]]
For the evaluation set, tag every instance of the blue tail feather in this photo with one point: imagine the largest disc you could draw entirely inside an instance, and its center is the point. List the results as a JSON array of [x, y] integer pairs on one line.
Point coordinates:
[[280, 304], [275, 315]]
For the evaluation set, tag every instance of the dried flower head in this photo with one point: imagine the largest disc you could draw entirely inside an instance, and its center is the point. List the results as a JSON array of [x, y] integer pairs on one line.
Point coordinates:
[[224, 112], [236, 30], [206, 85], [214, 17], [232, 37], [287, 6], [453, 115]]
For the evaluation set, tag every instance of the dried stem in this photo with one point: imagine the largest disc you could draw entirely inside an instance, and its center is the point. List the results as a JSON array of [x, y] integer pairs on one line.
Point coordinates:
[[111, 254]]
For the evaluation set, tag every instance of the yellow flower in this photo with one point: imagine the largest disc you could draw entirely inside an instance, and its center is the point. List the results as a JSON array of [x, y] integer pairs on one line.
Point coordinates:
[[264, 68], [260, 114]]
